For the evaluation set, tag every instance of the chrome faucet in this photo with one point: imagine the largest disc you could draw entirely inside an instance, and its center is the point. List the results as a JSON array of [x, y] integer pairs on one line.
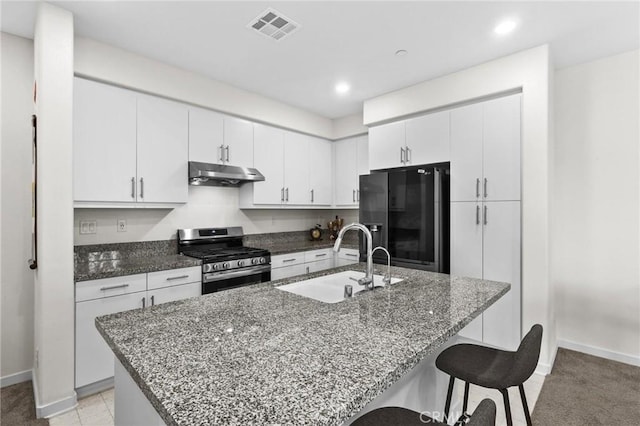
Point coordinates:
[[387, 278], [367, 281]]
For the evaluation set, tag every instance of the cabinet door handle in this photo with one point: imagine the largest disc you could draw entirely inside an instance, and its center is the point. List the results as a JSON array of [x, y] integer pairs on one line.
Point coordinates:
[[221, 153], [133, 187], [358, 195], [477, 215], [179, 277], [402, 155], [485, 188], [144, 302], [478, 188], [312, 195], [351, 254], [153, 302], [354, 196], [407, 155], [113, 287], [286, 197], [486, 219], [141, 187], [307, 269], [227, 150], [320, 255], [288, 260], [282, 194]]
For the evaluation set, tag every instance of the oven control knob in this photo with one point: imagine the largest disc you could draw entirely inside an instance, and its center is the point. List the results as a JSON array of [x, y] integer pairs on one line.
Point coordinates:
[[240, 263], [207, 268], [255, 261], [225, 265], [262, 260]]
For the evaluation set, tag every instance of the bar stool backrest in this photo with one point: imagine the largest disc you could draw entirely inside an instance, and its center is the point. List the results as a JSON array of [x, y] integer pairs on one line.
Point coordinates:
[[526, 357]]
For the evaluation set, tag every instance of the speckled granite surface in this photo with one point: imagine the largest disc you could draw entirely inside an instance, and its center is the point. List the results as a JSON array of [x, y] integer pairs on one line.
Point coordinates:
[[258, 355], [93, 262], [290, 242]]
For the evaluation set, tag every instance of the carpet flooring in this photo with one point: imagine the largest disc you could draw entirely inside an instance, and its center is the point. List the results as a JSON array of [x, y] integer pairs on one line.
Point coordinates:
[[587, 390], [18, 407]]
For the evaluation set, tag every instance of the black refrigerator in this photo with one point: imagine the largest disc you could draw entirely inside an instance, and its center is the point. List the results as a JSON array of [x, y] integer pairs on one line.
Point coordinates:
[[407, 212]]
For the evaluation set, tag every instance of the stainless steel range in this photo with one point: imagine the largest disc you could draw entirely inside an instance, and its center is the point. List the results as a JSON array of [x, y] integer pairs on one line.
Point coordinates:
[[226, 263]]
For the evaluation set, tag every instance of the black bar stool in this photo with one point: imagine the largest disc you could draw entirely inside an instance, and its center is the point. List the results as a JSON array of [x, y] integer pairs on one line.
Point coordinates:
[[492, 368], [485, 415]]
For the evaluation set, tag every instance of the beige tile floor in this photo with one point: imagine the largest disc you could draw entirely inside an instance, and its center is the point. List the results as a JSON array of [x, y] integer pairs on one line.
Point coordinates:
[[97, 410], [94, 410]]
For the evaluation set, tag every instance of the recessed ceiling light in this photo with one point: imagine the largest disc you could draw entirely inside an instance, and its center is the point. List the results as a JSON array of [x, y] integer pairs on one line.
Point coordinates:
[[342, 88], [401, 52], [505, 27]]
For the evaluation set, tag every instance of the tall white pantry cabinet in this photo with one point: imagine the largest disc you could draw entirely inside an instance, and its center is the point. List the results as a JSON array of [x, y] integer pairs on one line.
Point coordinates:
[[485, 210]]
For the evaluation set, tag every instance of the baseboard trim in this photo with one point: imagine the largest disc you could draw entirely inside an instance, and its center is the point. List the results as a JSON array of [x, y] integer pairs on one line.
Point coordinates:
[[54, 408], [94, 388], [544, 368], [13, 379], [600, 352]]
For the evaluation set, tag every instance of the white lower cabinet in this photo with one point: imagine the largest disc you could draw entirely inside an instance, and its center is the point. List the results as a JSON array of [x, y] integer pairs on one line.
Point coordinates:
[[347, 257], [300, 263], [94, 358], [485, 244]]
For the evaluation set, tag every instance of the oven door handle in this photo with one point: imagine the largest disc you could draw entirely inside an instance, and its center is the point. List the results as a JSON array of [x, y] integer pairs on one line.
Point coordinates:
[[219, 276]]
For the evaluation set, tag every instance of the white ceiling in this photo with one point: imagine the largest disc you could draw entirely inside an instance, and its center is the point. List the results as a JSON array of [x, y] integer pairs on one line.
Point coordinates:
[[338, 40]]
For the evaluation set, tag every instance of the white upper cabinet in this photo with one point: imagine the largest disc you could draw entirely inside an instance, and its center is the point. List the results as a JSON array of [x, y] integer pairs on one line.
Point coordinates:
[[269, 160], [320, 172], [206, 143], [238, 142], [501, 143], [485, 151], [162, 150], [296, 168], [130, 149], [420, 140], [351, 161], [104, 143], [427, 139], [387, 145], [466, 153]]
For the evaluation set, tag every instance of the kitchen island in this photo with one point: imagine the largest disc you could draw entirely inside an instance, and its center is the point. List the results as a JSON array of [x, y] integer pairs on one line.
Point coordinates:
[[258, 355]]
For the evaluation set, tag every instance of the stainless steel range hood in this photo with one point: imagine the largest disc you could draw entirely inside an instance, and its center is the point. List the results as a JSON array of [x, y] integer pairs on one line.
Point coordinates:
[[221, 175]]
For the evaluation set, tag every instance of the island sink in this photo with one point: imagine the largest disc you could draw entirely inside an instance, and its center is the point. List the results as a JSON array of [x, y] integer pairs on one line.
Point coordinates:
[[330, 288]]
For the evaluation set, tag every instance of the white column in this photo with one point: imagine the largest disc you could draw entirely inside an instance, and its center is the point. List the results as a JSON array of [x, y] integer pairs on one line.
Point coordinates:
[[54, 286]]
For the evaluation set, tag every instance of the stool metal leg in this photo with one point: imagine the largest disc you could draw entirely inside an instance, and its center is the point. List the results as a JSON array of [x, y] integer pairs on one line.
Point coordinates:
[[507, 407], [527, 416], [466, 397], [447, 405]]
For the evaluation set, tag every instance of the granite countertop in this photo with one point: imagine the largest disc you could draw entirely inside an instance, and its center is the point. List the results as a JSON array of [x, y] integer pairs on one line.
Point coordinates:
[[258, 355], [116, 266]]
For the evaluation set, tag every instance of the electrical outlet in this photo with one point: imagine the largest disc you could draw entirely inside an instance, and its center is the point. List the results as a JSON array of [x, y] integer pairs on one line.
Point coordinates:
[[88, 226], [122, 225]]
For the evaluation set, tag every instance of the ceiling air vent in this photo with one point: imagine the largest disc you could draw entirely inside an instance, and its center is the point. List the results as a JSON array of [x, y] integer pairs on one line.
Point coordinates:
[[273, 24]]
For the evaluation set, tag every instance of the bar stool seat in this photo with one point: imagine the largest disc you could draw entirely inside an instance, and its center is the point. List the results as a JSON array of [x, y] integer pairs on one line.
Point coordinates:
[[485, 415], [492, 368]]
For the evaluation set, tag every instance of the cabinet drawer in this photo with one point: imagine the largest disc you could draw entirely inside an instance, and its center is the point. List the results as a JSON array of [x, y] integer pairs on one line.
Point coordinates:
[[107, 287], [288, 271], [349, 254], [289, 259], [173, 277], [317, 255]]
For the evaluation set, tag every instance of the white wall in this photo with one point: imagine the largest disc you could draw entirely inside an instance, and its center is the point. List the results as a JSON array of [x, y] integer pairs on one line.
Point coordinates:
[[54, 289], [207, 206], [529, 70], [595, 238], [16, 278], [109, 64]]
